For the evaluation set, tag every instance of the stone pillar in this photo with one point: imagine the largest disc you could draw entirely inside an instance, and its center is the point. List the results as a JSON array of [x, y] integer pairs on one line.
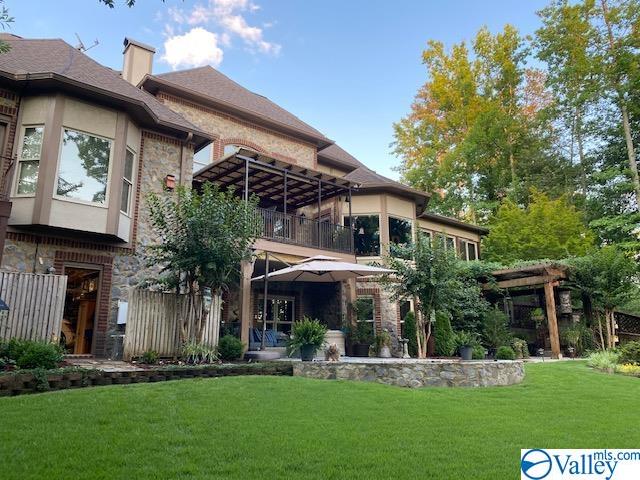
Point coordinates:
[[550, 302], [246, 271]]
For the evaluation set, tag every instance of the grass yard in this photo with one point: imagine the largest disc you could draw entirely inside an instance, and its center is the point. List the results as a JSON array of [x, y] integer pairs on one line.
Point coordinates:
[[284, 427]]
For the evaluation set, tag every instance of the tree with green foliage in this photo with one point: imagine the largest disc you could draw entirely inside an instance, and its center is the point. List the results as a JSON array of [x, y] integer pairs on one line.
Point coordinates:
[[411, 333], [443, 336], [592, 52], [495, 330], [437, 281], [547, 228], [475, 134], [202, 239], [609, 278]]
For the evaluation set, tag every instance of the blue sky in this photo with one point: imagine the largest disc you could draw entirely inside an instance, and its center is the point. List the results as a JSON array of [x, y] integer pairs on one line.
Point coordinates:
[[349, 68]]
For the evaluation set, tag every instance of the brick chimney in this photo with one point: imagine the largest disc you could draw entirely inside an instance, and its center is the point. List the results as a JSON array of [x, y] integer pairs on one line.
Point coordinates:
[[138, 60]]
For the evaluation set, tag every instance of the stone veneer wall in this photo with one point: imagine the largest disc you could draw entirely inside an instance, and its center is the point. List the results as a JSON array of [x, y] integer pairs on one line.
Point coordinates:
[[123, 266], [228, 129], [417, 373]]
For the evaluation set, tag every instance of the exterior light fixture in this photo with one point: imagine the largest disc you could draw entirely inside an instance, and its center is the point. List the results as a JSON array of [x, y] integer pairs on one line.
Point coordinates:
[[170, 182]]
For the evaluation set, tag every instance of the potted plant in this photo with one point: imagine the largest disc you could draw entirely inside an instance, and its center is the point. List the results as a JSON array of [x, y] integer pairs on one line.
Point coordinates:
[[537, 315], [361, 339], [382, 344], [307, 337], [465, 341]]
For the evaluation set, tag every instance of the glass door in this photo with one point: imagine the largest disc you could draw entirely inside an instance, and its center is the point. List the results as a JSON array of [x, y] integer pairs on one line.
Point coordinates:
[[280, 313]]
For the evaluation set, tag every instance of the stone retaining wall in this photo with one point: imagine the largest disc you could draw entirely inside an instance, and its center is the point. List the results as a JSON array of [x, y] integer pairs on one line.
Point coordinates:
[[418, 373], [20, 383]]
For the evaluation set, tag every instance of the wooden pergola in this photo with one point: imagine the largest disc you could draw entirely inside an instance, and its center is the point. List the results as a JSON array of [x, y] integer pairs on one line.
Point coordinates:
[[547, 275]]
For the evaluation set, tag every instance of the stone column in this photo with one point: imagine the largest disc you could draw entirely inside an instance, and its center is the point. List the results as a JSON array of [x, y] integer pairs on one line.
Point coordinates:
[[246, 271]]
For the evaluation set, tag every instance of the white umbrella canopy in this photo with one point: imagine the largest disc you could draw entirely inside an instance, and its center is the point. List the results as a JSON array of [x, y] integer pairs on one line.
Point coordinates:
[[322, 268]]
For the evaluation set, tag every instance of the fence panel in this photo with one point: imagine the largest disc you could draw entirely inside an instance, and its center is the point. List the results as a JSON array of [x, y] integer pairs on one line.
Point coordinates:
[[154, 320], [36, 305]]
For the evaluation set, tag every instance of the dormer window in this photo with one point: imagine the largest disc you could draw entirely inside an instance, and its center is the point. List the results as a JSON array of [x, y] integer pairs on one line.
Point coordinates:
[[83, 170], [29, 162]]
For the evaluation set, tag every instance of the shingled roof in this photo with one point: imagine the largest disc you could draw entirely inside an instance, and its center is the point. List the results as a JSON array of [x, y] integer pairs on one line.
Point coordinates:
[[338, 156], [42, 62], [208, 85]]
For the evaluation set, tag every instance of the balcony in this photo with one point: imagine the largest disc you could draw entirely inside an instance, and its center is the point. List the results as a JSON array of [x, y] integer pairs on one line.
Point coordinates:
[[306, 232], [291, 198]]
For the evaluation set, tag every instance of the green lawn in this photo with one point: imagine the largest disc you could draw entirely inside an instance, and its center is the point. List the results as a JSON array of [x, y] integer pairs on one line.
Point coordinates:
[[283, 427]]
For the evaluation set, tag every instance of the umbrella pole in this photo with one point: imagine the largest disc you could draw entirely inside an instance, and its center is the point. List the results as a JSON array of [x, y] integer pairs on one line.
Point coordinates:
[[264, 301]]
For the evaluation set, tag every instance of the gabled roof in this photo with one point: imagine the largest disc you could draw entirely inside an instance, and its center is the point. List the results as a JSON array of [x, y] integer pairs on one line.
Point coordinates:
[[45, 63], [208, 85], [336, 155]]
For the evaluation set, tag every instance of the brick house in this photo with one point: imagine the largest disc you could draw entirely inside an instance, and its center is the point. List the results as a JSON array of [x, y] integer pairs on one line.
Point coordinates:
[[84, 144]]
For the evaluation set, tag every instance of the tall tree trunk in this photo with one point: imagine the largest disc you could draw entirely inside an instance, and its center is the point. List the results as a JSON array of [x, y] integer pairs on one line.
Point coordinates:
[[631, 154], [603, 346], [583, 166]]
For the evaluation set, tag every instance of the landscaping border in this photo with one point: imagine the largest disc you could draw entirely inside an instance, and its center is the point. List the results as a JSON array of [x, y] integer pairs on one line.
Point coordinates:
[[26, 382]]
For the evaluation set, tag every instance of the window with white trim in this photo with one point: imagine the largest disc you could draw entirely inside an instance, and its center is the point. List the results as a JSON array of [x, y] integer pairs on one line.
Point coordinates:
[[365, 312], [29, 161], [127, 182], [468, 250], [83, 169]]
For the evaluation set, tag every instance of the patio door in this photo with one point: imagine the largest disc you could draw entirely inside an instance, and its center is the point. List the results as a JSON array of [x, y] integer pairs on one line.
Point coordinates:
[[280, 313]]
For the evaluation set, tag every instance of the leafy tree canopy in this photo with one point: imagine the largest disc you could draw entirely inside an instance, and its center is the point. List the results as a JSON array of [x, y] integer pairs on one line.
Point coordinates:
[[546, 228]]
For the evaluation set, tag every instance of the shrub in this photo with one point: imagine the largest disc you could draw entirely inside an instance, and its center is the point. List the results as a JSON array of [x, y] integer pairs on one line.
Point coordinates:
[[306, 332], [629, 369], [505, 353], [362, 333], [230, 348], [411, 333], [443, 335], [520, 347], [150, 357], [196, 353], [383, 339], [494, 328], [465, 339], [14, 348], [603, 360], [478, 352], [630, 353], [40, 355]]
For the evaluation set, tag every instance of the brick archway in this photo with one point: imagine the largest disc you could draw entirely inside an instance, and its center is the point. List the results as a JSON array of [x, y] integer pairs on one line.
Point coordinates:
[[243, 142]]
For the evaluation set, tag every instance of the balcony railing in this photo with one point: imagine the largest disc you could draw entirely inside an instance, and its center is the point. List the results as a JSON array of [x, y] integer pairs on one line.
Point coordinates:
[[299, 230]]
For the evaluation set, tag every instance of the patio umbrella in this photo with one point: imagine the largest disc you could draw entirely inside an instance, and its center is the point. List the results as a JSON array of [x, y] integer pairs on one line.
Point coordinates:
[[322, 268]]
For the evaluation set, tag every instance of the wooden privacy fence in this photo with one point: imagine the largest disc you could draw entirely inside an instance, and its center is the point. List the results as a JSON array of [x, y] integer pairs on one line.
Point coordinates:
[[154, 320], [36, 305]]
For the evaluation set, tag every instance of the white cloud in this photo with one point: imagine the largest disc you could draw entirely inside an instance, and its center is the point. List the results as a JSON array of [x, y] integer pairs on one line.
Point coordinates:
[[195, 48], [227, 15]]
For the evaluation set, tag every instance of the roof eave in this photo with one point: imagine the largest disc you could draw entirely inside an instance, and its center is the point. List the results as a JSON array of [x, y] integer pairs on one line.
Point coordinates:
[[455, 223], [203, 139]]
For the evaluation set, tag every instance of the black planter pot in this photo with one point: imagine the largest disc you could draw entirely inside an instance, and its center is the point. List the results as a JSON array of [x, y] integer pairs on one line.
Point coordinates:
[[361, 349], [307, 353], [466, 353]]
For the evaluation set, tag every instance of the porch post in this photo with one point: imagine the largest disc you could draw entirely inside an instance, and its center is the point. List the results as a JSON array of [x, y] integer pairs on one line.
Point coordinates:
[[264, 301], [285, 193], [319, 211], [351, 230], [246, 179], [551, 319], [246, 270]]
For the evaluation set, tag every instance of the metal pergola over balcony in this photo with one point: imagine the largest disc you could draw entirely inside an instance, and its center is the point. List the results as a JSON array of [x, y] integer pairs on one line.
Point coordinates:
[[283, 189]]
